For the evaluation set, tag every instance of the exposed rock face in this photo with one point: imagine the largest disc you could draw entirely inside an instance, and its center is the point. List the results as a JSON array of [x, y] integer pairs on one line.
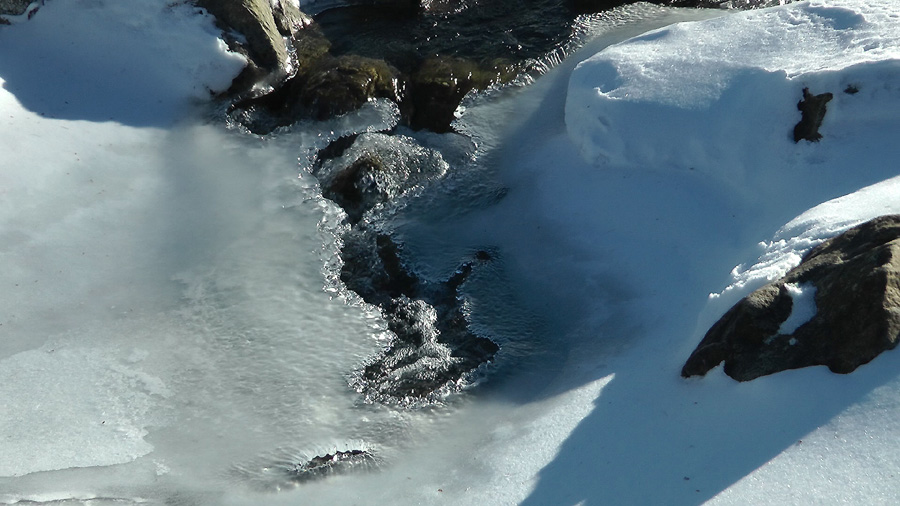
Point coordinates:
[[812, 110], [856, 276]]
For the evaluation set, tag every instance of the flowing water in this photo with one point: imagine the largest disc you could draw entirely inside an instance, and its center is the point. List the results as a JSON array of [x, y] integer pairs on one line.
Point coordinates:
[[193, 308]]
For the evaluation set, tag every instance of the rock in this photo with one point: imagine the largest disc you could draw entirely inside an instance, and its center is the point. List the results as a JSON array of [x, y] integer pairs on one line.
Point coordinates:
[[339, 85], [289, 19], [14, 7], [321, 466], [322, 88], [255, 20], [433, 351], [812, 109], [375, 169], [438, 86], [856, 277]]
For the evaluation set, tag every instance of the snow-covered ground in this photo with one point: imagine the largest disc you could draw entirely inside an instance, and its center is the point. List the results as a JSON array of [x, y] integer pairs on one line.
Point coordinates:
[[163, 324]]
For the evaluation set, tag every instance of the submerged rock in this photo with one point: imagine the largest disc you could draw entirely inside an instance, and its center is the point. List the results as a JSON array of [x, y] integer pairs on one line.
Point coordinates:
[[374, 169], [433, 349], [321, 466], [856, 277]]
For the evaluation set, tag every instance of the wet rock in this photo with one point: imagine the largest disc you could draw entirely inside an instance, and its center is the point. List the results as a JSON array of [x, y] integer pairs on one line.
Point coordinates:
[[321, 466], [323, 87], [339, 85], [433, 351], [856, 278], [374, 169], [264, 27], [438, 86], [812, 109]]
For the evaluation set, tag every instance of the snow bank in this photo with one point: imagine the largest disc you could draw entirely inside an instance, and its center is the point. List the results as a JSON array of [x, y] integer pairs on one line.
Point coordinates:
[[139, 62], [673, 159], [719, 96]]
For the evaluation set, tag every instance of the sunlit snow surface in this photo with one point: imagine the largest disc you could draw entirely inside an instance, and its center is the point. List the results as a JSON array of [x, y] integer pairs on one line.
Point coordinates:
[[171, 333]]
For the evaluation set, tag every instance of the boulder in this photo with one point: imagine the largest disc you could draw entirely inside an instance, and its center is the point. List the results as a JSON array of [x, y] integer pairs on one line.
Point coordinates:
[[856, 278], [323, 87], [339, 85], [255, 20], [438, 86]]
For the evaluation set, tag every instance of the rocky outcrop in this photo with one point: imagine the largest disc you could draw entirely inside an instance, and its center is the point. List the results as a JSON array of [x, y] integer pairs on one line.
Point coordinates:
[[856, 278], [812, 110], [323, 87]]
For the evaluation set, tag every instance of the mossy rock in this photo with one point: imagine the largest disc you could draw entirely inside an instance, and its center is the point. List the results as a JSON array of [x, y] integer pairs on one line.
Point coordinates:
[[336, 86], [438, 86]]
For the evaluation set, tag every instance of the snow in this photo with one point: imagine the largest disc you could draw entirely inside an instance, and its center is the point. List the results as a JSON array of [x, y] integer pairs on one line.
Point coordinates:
[[803, 309], [155, 290]]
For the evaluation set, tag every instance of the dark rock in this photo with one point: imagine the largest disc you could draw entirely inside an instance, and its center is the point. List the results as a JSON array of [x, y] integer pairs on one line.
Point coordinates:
[[432, 348], [856, 276], [438, 86], [322, 88], [336, 86], [14, 7], [375, 169], [332, 463], [812, 109], [255, 20]]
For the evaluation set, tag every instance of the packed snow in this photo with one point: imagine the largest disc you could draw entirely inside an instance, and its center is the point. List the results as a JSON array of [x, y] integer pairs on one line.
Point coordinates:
[[165, 329]]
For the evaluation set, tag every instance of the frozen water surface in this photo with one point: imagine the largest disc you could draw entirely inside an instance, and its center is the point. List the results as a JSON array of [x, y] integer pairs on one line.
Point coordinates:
[[173, 333]]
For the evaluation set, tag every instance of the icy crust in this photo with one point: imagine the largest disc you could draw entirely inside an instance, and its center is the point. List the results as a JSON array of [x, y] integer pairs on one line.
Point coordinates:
[[680, 96], [43, 429]]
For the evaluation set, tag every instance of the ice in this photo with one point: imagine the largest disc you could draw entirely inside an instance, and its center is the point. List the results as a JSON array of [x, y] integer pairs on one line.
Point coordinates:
[[172, 331]]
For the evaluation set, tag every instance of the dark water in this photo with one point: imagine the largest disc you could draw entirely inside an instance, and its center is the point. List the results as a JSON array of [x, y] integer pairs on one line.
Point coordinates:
[[486, 31]]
